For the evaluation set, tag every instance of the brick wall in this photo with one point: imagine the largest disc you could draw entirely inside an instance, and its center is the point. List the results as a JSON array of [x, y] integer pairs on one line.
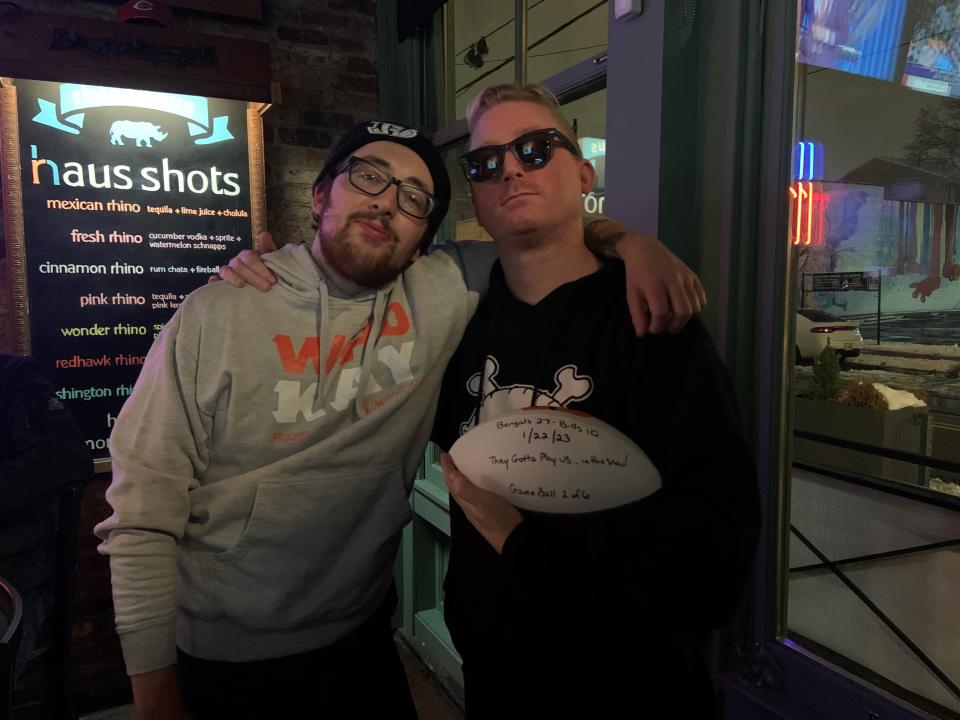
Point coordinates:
[[323, 54]]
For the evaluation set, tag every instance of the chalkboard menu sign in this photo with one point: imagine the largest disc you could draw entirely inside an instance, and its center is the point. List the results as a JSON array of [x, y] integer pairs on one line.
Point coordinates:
[[130, 200]]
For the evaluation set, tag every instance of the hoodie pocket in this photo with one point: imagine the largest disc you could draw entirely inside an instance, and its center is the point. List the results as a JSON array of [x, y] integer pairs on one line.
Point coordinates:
[[314, 550]]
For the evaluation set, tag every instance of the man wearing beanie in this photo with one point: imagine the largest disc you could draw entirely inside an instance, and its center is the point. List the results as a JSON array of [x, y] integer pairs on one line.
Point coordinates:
[[263, 463]]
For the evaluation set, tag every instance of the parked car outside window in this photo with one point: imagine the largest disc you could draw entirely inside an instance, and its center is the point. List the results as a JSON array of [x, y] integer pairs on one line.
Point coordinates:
[[816, 329]]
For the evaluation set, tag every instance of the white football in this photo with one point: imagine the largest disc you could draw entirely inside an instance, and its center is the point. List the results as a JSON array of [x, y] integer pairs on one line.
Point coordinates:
[[555, 461]]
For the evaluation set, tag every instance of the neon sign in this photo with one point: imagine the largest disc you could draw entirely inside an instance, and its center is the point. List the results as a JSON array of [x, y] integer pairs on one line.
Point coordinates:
[[807, 199]]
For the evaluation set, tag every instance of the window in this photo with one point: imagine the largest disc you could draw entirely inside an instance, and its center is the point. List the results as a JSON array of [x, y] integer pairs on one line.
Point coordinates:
[[587, 115], [874, 199], [480, 44], [562, 33], [481, 41], [461, 222]]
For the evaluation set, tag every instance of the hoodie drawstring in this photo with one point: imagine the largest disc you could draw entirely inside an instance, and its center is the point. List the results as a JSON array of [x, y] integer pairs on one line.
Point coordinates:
[[323, 341], [369, 347]]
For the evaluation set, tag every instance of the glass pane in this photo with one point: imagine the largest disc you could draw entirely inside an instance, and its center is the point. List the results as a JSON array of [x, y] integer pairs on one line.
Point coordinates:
[[481, 42], [587, 116], [461, 222], [874, 204], [561, 33], [482, 50]]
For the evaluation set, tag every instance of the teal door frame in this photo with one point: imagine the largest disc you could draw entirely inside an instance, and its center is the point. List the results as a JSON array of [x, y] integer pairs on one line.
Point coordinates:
[[423, 565]]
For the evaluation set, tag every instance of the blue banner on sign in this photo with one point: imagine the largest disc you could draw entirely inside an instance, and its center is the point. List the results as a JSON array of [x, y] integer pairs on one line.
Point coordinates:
[[68, 116]]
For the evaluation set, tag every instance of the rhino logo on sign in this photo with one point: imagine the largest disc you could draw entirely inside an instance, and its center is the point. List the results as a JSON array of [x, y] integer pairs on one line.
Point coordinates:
[[141, 132]]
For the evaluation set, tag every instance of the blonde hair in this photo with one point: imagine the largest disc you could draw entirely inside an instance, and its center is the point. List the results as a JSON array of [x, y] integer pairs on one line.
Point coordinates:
[[512, 92]]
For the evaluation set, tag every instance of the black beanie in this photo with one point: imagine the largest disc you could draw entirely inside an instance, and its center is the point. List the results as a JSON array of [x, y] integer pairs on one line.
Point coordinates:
[[375, 131]]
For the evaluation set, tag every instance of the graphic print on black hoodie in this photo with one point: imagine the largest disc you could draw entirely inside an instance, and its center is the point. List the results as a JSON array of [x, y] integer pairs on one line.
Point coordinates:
[[621, 599], [494, 400]]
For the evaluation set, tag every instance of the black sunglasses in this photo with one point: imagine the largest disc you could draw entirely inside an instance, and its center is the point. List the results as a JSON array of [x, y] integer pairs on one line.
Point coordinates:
[[533, 149], [372, 180]]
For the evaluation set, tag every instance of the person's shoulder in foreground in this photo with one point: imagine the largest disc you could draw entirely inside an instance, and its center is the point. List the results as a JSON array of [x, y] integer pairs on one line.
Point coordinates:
[[41, 448]]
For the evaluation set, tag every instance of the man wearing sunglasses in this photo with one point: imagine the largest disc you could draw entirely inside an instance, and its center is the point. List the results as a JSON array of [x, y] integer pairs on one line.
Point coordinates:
[[604, 614], [263, 463]]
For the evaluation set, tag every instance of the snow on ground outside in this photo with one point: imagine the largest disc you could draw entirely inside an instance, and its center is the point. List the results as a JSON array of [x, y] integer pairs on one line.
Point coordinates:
[[945, 486], [944, 352], [898, 399], [930, 382], [903, 364]]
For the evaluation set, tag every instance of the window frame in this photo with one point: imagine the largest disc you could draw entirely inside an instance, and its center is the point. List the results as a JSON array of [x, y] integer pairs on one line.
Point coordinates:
[[808, 685]]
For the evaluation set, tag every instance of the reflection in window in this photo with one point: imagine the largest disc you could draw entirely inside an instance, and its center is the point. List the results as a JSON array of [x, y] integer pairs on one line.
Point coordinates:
[[587, 116], [883, 200], [483, 47], [560, 33], [874, 226], [461, 222]]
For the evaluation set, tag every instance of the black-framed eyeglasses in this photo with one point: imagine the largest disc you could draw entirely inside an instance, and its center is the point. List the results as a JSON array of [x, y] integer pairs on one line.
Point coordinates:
[[373, 180], [533, 149]]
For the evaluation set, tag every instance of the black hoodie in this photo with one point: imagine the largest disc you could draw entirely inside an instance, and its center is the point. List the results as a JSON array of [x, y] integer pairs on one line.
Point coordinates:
[[601, 609]]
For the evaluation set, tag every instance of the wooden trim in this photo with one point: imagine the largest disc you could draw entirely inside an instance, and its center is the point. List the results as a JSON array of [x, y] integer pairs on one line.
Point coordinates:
[[258, 195], [252, 9], [109, 53], [13, 215]]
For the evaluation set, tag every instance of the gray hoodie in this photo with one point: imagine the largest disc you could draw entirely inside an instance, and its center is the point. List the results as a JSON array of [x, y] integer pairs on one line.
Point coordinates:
[[262, 465]]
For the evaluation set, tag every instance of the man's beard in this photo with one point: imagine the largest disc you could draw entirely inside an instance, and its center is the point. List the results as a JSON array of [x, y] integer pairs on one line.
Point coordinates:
[[368, 267]]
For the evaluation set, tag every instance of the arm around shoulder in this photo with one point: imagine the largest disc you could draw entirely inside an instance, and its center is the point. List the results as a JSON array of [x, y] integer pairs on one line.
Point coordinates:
[[662, 292], [46, 450], [475, 258]]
